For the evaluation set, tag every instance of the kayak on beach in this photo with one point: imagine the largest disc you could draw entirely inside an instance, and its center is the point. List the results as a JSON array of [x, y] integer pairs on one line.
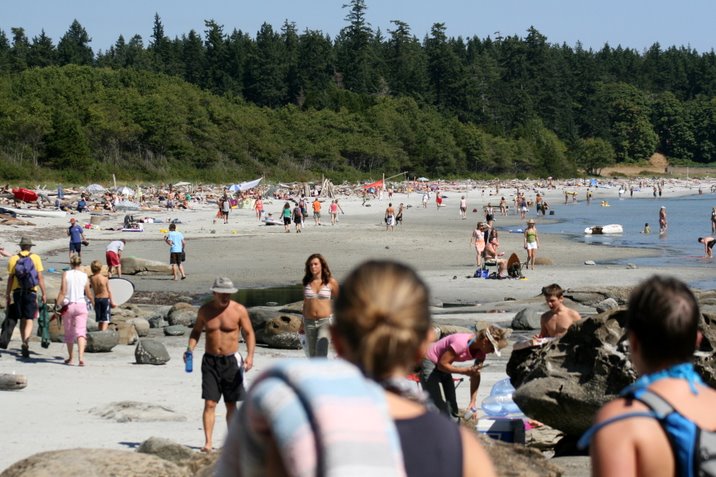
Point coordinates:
[[25, 195], [37, 212]]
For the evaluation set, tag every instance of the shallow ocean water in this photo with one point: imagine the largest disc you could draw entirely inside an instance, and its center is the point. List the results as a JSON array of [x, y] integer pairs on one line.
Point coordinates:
[[688, 218]]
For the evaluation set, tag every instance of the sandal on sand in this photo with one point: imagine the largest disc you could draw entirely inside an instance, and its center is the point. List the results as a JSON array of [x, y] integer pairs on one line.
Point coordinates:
[[68, 362], [82, 363], [25, 350]]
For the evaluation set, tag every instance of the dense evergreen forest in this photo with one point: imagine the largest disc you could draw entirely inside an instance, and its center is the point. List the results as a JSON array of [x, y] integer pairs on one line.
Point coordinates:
[[297, 104]]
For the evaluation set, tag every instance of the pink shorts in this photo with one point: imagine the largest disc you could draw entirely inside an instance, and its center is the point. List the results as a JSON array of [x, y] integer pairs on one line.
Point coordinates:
[[74, 321]]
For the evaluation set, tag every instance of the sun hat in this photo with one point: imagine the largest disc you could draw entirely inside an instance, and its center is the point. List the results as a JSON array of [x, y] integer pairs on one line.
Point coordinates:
[[223, 285], [495, 346], [26, 241], [531, 221]]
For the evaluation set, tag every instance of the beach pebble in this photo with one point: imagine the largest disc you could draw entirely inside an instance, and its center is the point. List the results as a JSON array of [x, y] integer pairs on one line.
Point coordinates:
[[590, 262], [151, 352], [175, 330], [12, 382], [166, 449]]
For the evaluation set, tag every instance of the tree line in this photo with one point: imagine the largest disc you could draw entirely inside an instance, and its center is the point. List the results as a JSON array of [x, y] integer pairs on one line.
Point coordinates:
[[354, 104]]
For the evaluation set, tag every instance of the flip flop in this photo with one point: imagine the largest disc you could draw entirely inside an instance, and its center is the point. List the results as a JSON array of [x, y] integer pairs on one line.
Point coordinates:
[[81, 363]]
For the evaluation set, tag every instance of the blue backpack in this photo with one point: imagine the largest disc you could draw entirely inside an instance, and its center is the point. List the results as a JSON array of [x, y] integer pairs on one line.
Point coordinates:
[[694, 448], [26, 273]]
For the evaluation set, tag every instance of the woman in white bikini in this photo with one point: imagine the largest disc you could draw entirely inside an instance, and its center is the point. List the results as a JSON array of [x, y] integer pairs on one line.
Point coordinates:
[[319, 288]]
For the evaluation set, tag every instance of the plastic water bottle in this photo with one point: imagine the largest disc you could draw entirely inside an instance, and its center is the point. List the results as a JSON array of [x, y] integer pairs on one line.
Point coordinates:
[[188, 361]]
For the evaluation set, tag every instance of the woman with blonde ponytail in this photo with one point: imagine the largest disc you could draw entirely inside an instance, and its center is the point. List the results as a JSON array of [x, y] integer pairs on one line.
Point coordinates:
[[357, 415], [382, 325]]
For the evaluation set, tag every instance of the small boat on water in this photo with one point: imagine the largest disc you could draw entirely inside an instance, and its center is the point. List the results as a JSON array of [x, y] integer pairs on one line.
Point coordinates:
[[604, 229]]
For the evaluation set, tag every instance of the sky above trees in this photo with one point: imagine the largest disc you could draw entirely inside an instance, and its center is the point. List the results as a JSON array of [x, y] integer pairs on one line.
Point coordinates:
[[636, 24]]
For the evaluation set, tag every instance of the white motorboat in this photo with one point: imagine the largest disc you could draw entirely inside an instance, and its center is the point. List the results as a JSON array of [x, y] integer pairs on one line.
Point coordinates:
[[604, 229]]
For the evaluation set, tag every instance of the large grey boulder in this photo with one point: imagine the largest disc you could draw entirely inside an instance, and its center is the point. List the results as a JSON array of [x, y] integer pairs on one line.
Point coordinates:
[[260, 315], [527, 319], [281, 332], [591, 296], [93, 462], [150, 351], [102, 341], [127, 332], [136, 265], [157, 316], [566, 381], [182, 314], [141, 325], [166, 449]]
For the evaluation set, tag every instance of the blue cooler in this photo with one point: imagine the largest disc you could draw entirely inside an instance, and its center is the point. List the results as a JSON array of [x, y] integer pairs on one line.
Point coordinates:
[[504, 429]]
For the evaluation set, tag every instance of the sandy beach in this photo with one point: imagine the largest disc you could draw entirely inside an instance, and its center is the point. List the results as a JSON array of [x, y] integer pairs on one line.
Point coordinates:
[[53, 412]]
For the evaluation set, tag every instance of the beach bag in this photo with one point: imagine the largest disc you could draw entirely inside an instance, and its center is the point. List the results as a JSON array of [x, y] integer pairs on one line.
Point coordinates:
[[515, 270], [25, 272], [8, 325]]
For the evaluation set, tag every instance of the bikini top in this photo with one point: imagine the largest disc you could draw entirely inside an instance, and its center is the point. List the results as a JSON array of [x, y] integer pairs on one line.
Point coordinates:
[[324, 293]]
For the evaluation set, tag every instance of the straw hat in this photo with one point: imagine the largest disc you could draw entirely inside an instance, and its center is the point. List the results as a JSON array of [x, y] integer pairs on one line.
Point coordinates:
[[531, 221]]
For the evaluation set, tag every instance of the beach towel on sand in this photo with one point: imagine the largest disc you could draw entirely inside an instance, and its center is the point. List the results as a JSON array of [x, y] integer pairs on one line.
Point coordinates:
[[326, 418]]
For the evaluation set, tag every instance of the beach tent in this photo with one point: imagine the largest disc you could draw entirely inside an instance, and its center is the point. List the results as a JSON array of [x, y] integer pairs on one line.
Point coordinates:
[[125, 191], [93, 189], [245, 185], [422, 179], [126, 205]]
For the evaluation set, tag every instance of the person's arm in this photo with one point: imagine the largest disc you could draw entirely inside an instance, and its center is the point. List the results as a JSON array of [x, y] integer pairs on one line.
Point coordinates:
[[445, 364], [4, 253], [475, 460], [196, 331], [41, 279], [61, 294], [247, 331], [612, 450], [88, 292], [335, 289], [8, 290], [109, 292]]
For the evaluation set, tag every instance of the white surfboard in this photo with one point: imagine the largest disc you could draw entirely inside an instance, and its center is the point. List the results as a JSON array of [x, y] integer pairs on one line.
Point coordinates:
[[122, 290]]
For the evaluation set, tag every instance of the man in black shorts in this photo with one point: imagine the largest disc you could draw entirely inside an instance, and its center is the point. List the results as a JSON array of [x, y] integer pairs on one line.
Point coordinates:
[[24, 300], [222, 368], [709, 243]]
